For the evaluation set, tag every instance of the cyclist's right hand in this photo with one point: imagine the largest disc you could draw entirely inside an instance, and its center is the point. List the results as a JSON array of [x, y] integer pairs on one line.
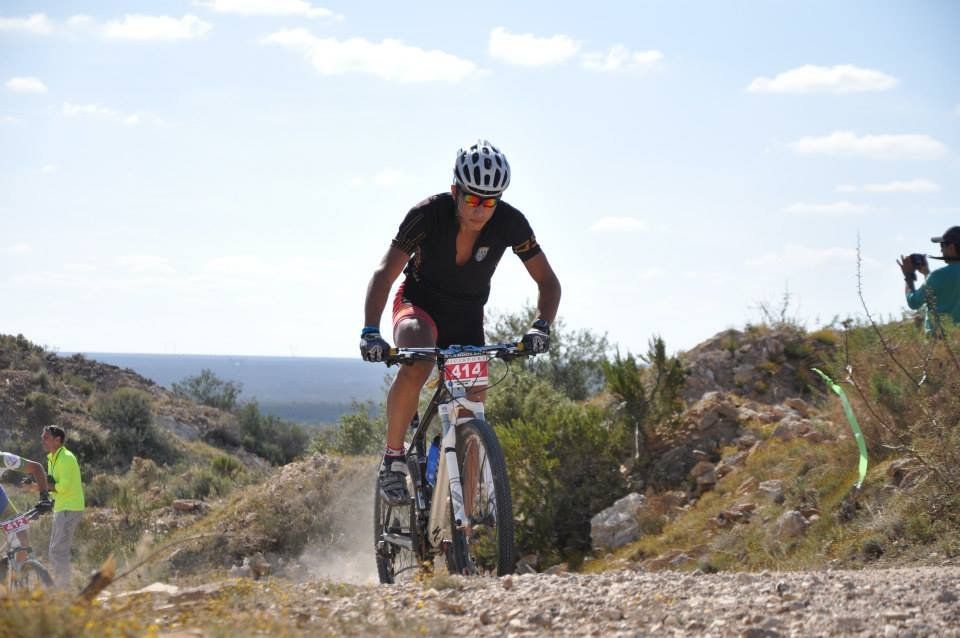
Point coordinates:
[[372, 346]]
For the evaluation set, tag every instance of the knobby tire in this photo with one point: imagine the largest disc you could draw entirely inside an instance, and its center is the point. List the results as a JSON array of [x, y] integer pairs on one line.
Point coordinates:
[[483, 470], [393, 562]]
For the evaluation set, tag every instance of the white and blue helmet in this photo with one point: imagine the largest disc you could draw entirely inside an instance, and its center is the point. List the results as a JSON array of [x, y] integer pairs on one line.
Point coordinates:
[[482, 170]]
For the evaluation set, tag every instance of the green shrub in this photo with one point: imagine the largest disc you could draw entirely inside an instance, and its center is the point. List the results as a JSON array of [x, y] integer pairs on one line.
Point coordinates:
[[574, 364], [83, 385], [274, 439], [564, 467], [226, 466], [41, 409], [41, 379], [127, 414], [208, 389], [359, 432], [100, 490], [200, 483]]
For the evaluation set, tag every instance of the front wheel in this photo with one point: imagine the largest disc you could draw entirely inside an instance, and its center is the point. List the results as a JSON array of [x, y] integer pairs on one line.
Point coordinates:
[[32, 575], [483, 544]]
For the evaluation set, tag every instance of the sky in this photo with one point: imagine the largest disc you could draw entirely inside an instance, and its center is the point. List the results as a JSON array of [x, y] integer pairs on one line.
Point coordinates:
[[223, 176]]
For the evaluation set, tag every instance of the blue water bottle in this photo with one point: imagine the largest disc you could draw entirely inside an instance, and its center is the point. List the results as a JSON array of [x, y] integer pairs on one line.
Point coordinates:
[[433, 460]]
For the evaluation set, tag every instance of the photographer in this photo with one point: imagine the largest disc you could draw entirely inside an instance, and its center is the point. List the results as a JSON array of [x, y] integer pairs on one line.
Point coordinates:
[[940, 292]]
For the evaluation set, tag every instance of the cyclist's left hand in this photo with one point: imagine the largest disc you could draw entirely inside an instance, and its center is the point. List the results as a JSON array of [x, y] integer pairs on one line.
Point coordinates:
[[44, 505], [537, 339]]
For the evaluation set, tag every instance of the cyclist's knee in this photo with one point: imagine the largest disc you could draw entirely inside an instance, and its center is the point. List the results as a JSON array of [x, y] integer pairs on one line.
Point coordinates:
[[414, 332]]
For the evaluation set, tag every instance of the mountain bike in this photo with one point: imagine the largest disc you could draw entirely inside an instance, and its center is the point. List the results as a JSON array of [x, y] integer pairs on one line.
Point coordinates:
[[460, 507], [30, 574]]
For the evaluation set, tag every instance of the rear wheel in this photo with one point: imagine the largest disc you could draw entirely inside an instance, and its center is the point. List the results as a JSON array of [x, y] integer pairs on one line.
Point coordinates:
[[483, 545], [394, 537], [32, 575]]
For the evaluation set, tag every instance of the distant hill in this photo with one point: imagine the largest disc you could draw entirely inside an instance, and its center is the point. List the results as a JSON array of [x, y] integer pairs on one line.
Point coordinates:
[[306, 389]]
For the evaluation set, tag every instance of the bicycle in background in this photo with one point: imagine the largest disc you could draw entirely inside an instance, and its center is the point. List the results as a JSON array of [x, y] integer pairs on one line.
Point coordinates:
[[29, 574], [460, 506]]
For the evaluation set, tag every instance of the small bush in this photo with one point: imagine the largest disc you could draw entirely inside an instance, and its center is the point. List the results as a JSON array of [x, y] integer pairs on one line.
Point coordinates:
[[127, 414], [201, 483], [359, 432], [101, 490], [267, 436], [208, 389], [226, 466], [42, 410], [563, 469]]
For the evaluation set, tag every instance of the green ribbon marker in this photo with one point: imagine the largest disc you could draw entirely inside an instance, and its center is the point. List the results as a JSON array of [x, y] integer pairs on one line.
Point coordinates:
[[857, 434]]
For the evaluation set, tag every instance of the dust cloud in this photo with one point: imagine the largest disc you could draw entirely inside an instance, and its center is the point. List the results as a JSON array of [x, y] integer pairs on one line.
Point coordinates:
[[345, 554]]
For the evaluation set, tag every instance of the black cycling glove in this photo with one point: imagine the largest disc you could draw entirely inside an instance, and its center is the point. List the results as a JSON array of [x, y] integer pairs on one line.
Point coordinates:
[[537, 339], [372, 346]]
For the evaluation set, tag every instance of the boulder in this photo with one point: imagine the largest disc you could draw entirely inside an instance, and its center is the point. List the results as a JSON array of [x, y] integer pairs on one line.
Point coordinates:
[[791, 524], [617, 525]]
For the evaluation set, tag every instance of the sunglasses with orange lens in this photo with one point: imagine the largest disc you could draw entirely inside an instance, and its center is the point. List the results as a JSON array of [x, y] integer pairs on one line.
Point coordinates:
[[474, 201]]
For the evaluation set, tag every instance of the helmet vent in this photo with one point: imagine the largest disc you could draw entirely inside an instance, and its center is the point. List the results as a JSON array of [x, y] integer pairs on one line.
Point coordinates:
[[482, 169]]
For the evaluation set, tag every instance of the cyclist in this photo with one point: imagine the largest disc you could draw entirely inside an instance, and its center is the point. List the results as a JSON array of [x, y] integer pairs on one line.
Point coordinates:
[[449, 246], [10, 461]]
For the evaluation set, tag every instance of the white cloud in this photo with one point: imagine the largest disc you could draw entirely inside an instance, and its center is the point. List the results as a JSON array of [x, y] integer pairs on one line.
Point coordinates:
[[268, 8], [107, 114], [907, 186], [19, 249], [9, 119], [80, 22], [389, 59], [146, 264], [793, 257], [26, 85], [618, 225], [619, 58], [847, 143], [49, 169], [843, 78], [37, 24], [526, 49], [147, 28], [833, 208]]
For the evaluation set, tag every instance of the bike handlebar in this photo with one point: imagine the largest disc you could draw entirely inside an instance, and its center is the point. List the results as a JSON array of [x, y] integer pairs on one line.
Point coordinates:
[[406, 356]]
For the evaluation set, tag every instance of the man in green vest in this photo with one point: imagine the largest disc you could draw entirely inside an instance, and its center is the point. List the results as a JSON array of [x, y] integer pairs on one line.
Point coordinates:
[[67, 491]]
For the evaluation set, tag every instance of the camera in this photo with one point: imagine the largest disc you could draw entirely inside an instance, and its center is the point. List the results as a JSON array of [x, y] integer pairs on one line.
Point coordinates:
[[919, 260]]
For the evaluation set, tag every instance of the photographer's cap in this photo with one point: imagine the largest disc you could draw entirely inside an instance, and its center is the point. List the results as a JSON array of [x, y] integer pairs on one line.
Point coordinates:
[[951, 236]]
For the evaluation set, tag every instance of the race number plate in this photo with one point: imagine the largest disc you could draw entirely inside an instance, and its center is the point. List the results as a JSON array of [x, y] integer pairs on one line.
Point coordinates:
[[17, 524], [466, 371]]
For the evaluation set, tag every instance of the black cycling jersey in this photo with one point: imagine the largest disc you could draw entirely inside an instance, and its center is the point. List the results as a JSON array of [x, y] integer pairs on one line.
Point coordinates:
[[428, 234]]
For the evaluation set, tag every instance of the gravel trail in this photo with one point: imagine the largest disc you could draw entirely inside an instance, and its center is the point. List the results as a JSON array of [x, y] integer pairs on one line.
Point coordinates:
[[903, 602]]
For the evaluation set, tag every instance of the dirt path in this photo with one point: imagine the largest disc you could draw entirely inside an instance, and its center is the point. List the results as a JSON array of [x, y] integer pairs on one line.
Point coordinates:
[[897, 602]]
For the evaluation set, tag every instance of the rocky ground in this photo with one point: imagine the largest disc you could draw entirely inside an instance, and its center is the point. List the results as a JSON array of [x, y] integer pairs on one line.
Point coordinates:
[[903, 602]]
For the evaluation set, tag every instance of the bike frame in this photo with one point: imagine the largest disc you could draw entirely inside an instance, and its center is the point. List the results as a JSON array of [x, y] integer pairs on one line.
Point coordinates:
[[445, 403]]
